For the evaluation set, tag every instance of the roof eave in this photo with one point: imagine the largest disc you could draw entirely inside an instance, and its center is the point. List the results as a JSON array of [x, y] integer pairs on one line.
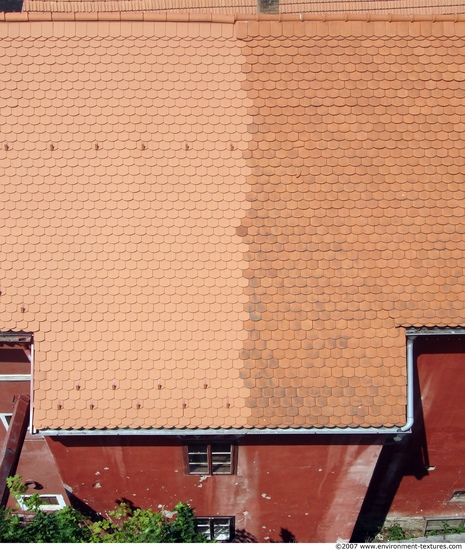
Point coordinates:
[[394, 430]]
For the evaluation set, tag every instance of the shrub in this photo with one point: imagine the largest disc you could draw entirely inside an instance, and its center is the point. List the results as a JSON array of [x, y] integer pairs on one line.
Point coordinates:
[[395, 532], [69, 526], [126, 525]]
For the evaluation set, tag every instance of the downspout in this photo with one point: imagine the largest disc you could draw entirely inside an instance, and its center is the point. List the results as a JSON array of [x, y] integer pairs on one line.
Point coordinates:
[[410, 386]]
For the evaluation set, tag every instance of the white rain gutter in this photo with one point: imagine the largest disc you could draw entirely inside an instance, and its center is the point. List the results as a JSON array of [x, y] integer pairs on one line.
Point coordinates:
[[225, 431], [410, 385]]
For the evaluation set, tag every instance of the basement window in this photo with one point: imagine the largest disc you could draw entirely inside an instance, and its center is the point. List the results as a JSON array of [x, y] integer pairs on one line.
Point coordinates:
[[220, 529], [48, 503], [439, 524], [206, 458], [458, 496]]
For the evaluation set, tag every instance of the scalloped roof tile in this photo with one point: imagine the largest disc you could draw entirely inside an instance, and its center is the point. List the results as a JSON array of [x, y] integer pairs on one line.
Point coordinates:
[[213, 222], [156, 9]]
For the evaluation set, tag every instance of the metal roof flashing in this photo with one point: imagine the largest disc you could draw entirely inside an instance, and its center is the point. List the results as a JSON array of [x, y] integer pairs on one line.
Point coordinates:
[[19, 337], [434, 331]]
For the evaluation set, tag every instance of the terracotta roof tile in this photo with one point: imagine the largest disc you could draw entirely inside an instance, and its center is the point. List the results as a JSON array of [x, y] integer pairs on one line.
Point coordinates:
[[268, 256]]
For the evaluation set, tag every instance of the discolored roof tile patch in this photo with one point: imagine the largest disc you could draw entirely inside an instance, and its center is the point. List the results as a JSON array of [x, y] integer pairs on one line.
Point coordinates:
[[356, 222]]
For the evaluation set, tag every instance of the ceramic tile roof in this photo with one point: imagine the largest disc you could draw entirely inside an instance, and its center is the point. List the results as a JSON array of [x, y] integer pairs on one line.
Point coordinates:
[[227, 224], [160, 6], [407, 7]]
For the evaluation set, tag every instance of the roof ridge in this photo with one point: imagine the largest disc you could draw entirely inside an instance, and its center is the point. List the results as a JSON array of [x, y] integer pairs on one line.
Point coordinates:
[[219, 18]]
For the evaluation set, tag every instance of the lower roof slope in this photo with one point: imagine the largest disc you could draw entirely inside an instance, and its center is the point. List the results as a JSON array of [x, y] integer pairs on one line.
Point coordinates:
[[389, 7], [227, 225]]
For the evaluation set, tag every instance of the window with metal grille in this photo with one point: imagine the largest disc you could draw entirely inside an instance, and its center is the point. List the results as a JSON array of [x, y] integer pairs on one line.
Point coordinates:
[[210, 458], [220, 529]]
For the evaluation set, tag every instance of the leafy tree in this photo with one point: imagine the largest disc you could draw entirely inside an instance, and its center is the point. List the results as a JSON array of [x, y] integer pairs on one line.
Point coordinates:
[[68, 525]]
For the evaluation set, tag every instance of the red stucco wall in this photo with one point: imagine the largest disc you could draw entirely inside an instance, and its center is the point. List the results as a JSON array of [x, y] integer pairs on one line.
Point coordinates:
[[310, 486], [12, 361], [435, 468]]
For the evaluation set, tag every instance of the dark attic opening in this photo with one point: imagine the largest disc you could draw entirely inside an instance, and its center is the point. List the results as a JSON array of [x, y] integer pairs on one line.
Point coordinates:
[[11, 5]]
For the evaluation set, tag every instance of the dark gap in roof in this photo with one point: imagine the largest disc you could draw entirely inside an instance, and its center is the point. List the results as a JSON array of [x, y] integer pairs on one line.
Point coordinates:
[[11, 5], [268, 6]]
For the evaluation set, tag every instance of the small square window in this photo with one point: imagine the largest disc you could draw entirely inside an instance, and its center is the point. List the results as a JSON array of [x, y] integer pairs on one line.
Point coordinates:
[[210, 458], [220, 529], [5, 419], [48, 503]]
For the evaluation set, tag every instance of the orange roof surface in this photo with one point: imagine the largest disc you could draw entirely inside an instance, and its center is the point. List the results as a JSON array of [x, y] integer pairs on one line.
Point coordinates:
[[226, 224], [406, 7]]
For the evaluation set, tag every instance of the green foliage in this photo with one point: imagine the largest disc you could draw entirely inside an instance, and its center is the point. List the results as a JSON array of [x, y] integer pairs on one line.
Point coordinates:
[[65, 525], [395, 532], [16, 486], [447, 530], [9, 526], [68, 526], [183, 526], [126, 525]]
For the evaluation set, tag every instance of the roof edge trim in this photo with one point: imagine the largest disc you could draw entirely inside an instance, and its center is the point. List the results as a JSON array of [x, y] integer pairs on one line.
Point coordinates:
[[187, 17], [434, 331], [395, 430], [19, 337]]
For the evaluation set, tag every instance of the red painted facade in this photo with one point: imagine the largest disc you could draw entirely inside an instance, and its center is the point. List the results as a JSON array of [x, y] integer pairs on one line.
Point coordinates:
[[36, 465], [14, 364], [303, 488], [435, 469], [416, 478]]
